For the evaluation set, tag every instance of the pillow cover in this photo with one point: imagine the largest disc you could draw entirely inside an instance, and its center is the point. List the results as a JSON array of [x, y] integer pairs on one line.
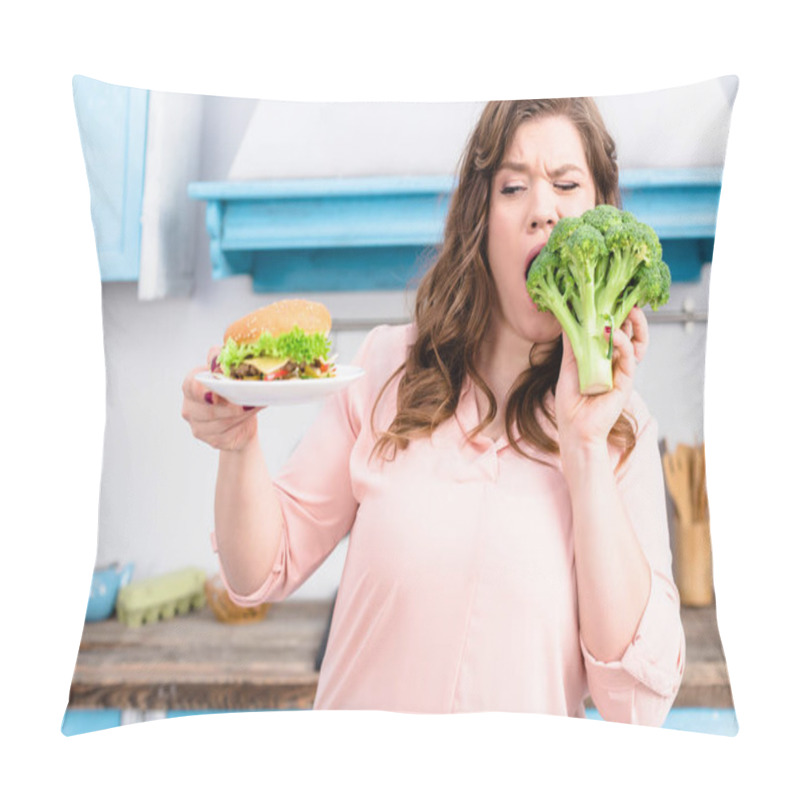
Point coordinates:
[[205, 208]]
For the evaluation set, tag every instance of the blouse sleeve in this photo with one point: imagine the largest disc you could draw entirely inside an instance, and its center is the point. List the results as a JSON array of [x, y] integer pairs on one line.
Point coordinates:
[[641, 687], [315, 490]]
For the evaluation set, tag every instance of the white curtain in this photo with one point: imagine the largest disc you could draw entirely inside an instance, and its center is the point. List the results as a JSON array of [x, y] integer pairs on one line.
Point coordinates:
[[170, 218]]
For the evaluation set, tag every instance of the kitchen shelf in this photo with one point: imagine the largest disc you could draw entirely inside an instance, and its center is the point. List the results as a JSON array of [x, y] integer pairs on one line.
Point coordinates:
[[380, 232]]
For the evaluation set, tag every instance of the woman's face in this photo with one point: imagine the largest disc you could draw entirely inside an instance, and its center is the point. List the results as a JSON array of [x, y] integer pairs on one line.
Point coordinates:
[[544, 177]]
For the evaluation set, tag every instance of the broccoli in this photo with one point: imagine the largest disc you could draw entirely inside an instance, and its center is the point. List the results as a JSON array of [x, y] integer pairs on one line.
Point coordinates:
[[593, 270]]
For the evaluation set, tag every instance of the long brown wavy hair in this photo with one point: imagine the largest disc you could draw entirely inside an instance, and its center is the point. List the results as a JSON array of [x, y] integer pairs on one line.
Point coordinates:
[[456, 294]]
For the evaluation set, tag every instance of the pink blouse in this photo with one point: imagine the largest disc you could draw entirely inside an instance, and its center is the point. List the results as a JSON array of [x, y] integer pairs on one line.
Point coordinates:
[[458, 591]]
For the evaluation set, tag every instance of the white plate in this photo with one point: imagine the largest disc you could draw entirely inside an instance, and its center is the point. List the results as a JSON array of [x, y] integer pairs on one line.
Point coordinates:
[[279, 393]]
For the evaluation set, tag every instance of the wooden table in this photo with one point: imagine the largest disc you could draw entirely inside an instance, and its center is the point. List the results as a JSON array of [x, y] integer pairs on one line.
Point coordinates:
[[194, 662], [705, 681]]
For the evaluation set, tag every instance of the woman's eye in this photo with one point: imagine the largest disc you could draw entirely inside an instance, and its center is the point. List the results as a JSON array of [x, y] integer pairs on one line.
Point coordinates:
[[511, 189], [566, 187]]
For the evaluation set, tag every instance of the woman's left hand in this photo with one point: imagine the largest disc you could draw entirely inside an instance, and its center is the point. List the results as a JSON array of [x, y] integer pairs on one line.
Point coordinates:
[[587, 419]]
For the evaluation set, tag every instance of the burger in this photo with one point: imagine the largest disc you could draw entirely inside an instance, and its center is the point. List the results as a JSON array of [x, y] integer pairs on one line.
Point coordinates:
[[282, 341]]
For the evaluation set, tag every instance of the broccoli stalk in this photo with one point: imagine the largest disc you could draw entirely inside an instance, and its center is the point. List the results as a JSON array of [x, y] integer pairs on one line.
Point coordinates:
[[591, 273]]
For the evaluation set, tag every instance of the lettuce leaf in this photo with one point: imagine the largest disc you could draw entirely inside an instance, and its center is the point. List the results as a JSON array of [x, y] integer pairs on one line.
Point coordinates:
[[296, 345]]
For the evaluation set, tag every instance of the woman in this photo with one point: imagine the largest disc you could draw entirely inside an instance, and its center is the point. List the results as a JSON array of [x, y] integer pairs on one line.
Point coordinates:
[[509, 547]]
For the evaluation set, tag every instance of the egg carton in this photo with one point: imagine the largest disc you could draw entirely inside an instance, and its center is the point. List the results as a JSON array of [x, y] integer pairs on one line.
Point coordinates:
[[162, 597]]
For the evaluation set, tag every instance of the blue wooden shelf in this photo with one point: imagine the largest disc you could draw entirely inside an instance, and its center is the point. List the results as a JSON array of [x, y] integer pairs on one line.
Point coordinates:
[[369, 233]]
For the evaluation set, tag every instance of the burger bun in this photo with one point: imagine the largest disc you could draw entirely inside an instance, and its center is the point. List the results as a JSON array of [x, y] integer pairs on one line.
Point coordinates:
[[280, 317]]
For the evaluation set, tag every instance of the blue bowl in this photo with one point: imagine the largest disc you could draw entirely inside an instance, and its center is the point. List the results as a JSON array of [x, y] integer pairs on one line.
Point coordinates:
[[106, 583]]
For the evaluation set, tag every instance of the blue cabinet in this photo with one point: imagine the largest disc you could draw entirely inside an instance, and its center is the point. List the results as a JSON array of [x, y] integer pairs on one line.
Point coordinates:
[[350, 233], [112, 121]]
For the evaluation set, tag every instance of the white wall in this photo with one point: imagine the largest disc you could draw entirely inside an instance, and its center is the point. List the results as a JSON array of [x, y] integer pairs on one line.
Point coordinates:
[[156, 502]]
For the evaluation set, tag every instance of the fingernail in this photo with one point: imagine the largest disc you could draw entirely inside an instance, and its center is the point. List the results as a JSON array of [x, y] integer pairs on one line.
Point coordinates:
[[607, 329], [209, 398], [248, 408], [214, 364]]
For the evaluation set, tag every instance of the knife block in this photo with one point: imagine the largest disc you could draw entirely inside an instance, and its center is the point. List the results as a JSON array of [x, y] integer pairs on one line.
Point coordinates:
[[693, 563]]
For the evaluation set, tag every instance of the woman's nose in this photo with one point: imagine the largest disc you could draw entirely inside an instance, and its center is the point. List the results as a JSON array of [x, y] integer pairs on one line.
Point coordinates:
[[546, 222], [542, 212]]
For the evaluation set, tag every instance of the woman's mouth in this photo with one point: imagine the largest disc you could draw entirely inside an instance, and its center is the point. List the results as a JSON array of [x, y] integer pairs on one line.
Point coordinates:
[[529, 259]]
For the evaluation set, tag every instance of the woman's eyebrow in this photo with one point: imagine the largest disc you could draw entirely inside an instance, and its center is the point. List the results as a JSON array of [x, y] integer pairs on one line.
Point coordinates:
[[564, 169], [517, 166], [513, 166]]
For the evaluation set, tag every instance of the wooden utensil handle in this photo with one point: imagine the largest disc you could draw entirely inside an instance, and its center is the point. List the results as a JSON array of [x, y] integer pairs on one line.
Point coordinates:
[[693, 564]]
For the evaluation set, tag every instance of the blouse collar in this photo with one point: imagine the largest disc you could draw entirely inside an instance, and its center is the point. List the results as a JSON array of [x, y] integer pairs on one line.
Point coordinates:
[[468, 419]]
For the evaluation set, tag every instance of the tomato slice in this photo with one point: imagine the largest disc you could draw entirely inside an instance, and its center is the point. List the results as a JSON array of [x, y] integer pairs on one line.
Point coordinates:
[[277, 375]]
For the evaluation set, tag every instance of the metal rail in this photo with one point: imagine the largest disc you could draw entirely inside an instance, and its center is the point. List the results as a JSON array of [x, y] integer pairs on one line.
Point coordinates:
[[657, 318]]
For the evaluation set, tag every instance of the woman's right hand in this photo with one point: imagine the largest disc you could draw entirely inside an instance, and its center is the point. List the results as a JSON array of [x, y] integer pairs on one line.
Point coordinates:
[[213, 420]]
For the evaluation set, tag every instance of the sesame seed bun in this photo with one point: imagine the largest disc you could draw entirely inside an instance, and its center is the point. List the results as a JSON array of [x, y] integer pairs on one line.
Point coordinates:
[[278, 318]]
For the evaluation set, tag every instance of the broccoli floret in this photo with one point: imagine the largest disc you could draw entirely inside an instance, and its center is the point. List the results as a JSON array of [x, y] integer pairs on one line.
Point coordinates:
[[650, 285], [553, 289], [562, 231], [591, 273], [602, 217], [580, 254]]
